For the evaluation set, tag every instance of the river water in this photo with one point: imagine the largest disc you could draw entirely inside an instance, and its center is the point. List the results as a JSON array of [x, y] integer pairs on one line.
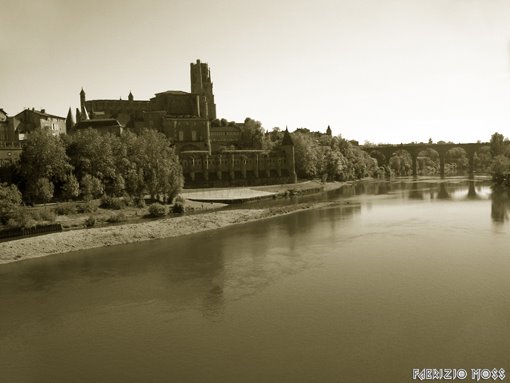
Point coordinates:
[[401, 275]]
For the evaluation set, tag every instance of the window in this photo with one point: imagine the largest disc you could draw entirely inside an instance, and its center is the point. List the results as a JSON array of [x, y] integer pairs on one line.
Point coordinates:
[[193, 135], [181, 135]]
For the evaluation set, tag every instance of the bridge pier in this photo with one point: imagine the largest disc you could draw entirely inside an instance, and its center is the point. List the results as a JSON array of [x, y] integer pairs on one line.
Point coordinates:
[[414, 159]]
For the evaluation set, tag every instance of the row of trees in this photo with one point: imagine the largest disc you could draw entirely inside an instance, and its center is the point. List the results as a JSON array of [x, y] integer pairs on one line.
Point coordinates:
[[428, 162], [90, 165], [323, 156], [335, 158]]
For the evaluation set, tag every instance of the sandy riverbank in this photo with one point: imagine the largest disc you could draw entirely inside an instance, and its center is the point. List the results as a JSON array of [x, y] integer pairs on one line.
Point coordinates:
[[64, 242]]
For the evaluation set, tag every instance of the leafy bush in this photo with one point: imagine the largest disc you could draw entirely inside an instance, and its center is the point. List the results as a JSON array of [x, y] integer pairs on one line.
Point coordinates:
[[47, 215], [178, 206], [113, 203], [157, 210], [90, 221], [66, 208], [116, 218], [140, 203], [10, 200], [179, 199], [88, 207], [21, 217]]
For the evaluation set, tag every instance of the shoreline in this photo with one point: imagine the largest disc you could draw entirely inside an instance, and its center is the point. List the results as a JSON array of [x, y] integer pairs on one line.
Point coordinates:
[[84, 239]]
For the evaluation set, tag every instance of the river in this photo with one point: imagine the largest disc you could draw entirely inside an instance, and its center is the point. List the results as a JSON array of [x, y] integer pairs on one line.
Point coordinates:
[[402, 275]]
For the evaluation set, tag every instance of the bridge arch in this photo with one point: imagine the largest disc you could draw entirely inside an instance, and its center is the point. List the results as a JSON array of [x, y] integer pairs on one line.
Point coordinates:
[[440, 148]]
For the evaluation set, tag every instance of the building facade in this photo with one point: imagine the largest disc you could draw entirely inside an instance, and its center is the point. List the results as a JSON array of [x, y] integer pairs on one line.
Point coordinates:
[[10, 147], [205, 151], [29, 120]]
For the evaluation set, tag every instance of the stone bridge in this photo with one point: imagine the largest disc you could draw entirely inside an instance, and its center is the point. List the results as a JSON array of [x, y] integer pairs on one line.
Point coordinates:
[[415, 149]]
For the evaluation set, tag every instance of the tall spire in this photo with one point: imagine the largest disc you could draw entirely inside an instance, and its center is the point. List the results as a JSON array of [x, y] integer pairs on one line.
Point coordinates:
[[287, 139], [69, 120]]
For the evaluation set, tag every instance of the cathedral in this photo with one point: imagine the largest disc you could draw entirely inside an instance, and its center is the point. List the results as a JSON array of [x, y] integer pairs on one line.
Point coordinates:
[[186, 119]]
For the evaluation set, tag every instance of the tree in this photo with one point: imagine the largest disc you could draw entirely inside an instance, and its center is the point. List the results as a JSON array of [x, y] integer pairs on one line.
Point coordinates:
[[148, 165], [252, 134], [10, 200], [272, 140], [458, 157], [44, 190], [501, 169], [43, 157], [306, 155], [483, 159], [332, 164], [91, 153], [91, 187], [71, 187], [497, 144], [401, 163]]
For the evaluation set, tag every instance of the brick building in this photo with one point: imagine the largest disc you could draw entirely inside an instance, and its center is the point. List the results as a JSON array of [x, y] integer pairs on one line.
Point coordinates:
[[29, 120], [185, 118]]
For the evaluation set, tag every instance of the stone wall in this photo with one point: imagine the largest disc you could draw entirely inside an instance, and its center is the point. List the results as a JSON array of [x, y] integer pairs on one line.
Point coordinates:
[[235, 168]]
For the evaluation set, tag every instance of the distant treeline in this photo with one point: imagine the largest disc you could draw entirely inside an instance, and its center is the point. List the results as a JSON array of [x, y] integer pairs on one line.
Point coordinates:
[[331, 158], [88, 165]]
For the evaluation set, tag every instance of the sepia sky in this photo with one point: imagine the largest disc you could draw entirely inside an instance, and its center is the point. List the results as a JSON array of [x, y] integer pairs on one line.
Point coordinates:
[[379, 70]]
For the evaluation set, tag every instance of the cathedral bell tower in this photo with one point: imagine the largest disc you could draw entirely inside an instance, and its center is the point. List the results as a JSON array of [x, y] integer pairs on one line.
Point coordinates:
[[202, 85]]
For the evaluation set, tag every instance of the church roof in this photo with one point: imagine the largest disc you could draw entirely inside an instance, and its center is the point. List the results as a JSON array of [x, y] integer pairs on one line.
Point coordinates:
[[40, 113], [177, 92], [97, 123]]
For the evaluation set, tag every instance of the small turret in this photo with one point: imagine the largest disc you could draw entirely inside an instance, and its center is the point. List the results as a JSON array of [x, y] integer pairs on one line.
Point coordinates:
[[130, 96], [82, 100], [328, 131]]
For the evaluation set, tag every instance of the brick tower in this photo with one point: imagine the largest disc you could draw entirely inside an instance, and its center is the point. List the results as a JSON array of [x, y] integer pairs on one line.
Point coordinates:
[[202, 85]]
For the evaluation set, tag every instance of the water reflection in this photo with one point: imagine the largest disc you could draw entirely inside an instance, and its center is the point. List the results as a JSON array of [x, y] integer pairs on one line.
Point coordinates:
[[325, 290], [426, 189], [500, 205], [416, 192], [443, 191], [472, 194]]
